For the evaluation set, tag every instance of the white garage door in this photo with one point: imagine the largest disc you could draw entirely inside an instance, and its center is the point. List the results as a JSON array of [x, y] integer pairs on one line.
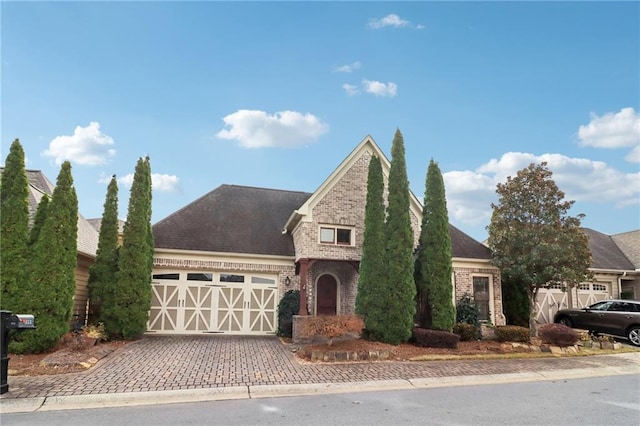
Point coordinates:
[[206, 302], [590, 293], [553, 298], [549, 301]]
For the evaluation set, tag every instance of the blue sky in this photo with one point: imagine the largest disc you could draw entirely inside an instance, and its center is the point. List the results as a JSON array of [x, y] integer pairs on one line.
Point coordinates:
[[277, 94]]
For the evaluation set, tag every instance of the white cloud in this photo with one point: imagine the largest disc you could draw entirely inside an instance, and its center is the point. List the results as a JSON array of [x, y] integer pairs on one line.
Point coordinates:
[[159, 182], [257, 129], [165, 183], [392, 20], [348, 68], [87, 146], [613, 130], [470, 193], [350, 89], [380, 89]]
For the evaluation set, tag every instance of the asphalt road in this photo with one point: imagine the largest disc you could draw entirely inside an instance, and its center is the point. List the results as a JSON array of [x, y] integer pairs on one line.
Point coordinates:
[[612, 400]]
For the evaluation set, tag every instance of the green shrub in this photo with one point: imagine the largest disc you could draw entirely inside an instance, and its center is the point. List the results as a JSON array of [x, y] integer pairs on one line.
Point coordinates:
[[426, 338], [558, 335], [467, 311], [467, 332], [512, 333], [288, 307]]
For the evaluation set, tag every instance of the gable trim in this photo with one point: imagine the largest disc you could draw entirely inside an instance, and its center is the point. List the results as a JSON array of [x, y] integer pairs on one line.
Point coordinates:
[[303, 214]]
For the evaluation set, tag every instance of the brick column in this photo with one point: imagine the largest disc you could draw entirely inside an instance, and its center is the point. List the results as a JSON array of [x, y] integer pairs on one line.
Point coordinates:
[[304, 271]]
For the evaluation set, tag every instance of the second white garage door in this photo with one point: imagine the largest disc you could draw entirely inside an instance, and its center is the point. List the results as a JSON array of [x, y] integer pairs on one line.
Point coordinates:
[[205, 302]]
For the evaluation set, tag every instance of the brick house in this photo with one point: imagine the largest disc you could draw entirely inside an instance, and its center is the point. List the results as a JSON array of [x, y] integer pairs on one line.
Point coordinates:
[[222, 263]]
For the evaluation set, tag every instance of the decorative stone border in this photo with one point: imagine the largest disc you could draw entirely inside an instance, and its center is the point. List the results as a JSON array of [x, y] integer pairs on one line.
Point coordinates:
[[321, 355]]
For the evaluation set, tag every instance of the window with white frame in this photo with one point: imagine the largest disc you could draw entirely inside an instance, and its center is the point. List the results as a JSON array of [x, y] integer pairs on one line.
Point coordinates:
[[336, 235]]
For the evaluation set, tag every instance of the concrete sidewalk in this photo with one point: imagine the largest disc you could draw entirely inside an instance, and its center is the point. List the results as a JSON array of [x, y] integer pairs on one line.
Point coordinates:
[[167, 369]]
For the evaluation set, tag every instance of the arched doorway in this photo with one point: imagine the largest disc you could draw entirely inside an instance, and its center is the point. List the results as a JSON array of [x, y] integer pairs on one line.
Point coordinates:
[[327, 295]]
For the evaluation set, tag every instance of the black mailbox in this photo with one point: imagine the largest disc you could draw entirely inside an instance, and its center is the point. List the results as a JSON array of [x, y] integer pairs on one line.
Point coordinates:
[[22, 322], [8, 322]]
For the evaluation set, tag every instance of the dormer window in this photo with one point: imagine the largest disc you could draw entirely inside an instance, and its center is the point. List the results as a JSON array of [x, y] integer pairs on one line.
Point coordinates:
[[336, 235]]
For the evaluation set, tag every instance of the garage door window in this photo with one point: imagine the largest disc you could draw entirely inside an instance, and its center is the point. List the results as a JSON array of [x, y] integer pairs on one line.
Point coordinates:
[[229, 278], [199, 277], [260, 280], [166, 276]]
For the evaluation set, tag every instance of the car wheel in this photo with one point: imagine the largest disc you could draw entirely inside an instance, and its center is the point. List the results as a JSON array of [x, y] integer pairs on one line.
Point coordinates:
[[634, 335], [565, 321]]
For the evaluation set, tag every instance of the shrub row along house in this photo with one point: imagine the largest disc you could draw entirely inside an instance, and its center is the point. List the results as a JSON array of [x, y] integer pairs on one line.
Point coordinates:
[[222, 262]]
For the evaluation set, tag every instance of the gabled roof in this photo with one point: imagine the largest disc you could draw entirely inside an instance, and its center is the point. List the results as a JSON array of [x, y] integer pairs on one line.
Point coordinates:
[[629, 243], [367, 144], [40, 185], [465, 247], [97, 223], [605, 253], [232, 219]]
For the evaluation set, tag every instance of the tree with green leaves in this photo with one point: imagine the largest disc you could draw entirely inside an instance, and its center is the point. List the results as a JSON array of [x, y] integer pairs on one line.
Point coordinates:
[[53, 263], [102, 274], [38, 222], [14, 227], [535, 242], [435, 289], [398, 290], [372, 272], [126, 315], [515, 302]]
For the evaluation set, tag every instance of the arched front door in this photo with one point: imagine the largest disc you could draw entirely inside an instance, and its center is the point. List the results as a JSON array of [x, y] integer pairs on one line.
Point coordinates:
[[327, 296]]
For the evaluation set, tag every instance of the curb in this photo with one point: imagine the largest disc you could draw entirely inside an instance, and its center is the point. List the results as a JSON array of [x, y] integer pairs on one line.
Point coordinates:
[[130, 399]]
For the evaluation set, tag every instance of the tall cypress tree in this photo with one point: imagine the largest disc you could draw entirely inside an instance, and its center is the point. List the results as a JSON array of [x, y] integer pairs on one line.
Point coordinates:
[[435, 287], [38, 221], [372, 268], [53, 263], [400, 290], [102, 274], [127, 316], [14, 227]]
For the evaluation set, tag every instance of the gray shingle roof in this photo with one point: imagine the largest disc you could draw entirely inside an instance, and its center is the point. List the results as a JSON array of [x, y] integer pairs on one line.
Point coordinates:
[[465, 247], [605, 252], [239, 219], [629, 243], [232, 219], [40, 185]]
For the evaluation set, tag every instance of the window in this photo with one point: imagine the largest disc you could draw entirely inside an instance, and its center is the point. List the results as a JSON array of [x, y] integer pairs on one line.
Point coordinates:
[[481, 297], [260, 280], [199, 277], [336, 235], [229, 278], [166, 276], [600, 287]]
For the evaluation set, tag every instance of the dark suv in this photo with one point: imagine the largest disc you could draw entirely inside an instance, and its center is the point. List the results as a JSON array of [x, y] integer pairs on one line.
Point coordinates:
[[616, 317]]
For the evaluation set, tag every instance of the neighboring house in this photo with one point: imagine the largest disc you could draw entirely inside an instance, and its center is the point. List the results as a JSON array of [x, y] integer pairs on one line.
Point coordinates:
[[614, 275], [222, 263], [629, 243], [87, 245]]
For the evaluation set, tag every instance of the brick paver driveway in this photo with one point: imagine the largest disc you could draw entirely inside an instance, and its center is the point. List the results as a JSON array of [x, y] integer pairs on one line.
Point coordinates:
[[189, 362]]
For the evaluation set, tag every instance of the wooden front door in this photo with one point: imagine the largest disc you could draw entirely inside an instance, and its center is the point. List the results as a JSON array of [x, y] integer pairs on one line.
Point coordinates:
[[327, 296]]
